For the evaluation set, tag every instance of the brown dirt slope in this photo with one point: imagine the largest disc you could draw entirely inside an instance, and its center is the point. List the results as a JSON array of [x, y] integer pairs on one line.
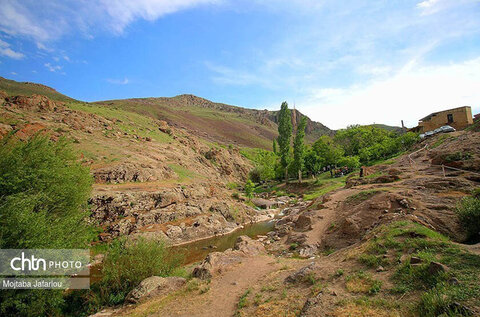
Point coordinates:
[[216, 121]]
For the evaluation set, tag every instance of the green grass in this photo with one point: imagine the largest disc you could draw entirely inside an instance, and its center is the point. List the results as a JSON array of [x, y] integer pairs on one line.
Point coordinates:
[[130, 122], [183, 173], [243, 301], [356, 199], [438, 295], [14, 88], [323, 185], [441, 139], [362, 282]]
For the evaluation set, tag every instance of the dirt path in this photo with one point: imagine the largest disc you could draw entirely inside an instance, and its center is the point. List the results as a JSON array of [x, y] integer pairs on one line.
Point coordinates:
[[326, 216], [224, 292]]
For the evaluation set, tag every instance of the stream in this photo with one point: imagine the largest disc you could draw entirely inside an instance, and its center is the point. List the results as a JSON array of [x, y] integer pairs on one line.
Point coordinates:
[[198, 250]]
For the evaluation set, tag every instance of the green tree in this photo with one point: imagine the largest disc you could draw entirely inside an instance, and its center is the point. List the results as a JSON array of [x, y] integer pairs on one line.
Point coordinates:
[[284, 136], [313, 163], [249, 187], [299, 148], [265, 162], [328, 151], [274, 146], [43, 204]]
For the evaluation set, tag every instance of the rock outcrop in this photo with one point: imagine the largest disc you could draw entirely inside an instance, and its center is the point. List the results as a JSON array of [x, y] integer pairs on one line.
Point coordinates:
[[216, 262], [154, 286]]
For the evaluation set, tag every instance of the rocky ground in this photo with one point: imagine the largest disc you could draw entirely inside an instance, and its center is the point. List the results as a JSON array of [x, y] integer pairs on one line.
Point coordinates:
[[352, 252]]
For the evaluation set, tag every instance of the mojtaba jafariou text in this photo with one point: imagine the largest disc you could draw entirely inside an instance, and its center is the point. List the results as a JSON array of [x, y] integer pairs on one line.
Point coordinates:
[[39, 283]]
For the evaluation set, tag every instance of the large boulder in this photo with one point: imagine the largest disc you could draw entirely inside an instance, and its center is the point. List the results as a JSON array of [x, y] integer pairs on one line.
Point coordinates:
[[155, 286], [216, 262], [264, 203], [304, 222], [248, 246]]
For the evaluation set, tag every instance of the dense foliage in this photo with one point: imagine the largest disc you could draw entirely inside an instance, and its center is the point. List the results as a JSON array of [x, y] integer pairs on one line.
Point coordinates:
[[43, 195], [284, 137], [299, 148], [349, 148], [127, 264], [371, 143]]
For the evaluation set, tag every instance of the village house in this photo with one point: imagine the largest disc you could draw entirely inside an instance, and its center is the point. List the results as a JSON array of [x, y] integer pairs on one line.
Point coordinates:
[[459, 118]]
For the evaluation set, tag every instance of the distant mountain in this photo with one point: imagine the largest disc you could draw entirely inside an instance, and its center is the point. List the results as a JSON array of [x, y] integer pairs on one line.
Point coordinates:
[[389, 128], [216, 121]]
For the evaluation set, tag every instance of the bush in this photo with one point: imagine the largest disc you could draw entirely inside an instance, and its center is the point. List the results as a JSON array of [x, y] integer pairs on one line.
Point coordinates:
[[126, 265], [468, 212], [43, 197], [249, 187]]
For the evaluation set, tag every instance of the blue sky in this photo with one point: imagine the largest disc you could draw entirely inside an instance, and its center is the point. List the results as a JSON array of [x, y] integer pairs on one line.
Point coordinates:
[[340, 62]]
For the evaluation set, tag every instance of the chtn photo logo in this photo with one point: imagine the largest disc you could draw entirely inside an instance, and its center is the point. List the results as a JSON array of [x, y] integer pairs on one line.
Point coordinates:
[[31, 263], [66, 262]]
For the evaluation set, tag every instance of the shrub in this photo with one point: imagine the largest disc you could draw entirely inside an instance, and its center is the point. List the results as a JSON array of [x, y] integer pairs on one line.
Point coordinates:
[[468, 212], [249, 187], [126, 265], [43, 196]]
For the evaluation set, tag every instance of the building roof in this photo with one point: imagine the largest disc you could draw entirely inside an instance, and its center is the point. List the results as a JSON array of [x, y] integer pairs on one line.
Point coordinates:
[[435, 113]]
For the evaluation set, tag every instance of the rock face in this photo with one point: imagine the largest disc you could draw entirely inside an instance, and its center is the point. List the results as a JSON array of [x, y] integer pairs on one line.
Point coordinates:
[[36, 103], [216, 262], [154, 286], [130, 172], [176, 214], [264, 203]]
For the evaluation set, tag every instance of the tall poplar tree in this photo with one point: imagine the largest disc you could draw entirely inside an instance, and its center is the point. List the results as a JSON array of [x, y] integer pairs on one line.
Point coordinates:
[[284, 136], [299, 148]]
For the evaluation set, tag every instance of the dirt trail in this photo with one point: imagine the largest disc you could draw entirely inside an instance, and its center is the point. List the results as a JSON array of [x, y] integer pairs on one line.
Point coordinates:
[[225, 290], [327, 215]]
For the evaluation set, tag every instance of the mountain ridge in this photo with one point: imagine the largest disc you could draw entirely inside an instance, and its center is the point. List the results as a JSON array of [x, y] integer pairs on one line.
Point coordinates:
[[214, 121]]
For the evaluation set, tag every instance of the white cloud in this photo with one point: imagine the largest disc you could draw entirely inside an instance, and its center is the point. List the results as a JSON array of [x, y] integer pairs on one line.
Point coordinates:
[[427, 3], [409, 95], [428, 7], [44, 21], [123, 12], [123, 81], [53, 68], [5, 50], [13, 73]]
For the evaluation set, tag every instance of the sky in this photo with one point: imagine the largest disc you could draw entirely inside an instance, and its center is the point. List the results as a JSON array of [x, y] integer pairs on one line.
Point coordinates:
[[339, 62]]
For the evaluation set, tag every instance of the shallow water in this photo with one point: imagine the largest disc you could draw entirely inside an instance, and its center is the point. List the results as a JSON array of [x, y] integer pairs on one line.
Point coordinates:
[[198, 250]]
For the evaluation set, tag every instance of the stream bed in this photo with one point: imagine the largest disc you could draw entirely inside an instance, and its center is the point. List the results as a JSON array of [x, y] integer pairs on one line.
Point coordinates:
[[198, 250]]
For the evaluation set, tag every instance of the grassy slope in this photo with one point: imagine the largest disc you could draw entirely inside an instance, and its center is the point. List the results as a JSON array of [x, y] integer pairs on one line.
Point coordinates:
[[13, 88], [219, 125], [222, 123]]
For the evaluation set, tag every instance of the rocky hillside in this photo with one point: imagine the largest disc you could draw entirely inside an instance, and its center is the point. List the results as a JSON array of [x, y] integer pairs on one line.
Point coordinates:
[[212, 121], [151, 178]]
